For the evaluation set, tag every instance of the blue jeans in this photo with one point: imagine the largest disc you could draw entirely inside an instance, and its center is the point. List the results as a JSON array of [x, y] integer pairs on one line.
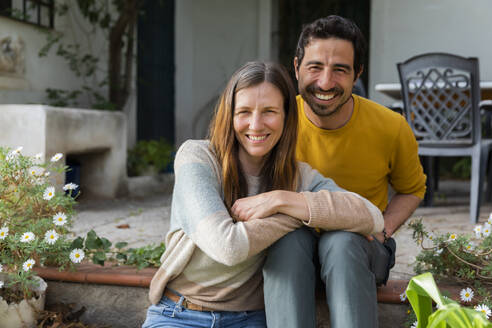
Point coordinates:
[[290, 279], [169, 314]]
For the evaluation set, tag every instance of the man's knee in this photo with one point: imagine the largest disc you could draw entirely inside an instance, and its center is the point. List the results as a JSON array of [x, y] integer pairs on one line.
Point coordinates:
[[343, 249]]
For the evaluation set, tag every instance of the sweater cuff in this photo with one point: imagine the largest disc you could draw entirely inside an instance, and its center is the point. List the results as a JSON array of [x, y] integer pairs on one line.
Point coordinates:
[[316, 205]]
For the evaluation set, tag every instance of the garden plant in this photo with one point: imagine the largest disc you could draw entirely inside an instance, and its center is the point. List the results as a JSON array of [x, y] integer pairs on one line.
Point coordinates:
[[35, 221], [464, 259]]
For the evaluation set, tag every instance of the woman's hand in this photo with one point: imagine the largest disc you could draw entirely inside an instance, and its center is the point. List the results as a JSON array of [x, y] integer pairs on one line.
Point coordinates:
[[255, 207], [266, 204]]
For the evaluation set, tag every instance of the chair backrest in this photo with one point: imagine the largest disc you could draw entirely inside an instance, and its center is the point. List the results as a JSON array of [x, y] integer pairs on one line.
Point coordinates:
[[441, 93]]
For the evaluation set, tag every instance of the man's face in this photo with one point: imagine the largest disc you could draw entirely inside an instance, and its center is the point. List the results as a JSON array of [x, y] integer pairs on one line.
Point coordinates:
[[326, 75]]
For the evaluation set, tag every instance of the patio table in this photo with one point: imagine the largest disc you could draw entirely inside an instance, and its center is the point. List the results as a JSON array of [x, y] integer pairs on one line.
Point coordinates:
[[393, 90]]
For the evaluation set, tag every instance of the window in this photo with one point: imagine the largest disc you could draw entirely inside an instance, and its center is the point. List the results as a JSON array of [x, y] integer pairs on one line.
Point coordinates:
[[38, 12]]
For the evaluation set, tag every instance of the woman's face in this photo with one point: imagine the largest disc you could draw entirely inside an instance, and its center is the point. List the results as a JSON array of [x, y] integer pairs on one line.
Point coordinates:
[[258, 123]]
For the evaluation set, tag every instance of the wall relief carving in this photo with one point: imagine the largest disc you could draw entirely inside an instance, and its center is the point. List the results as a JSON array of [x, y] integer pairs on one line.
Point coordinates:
[[12, 57]]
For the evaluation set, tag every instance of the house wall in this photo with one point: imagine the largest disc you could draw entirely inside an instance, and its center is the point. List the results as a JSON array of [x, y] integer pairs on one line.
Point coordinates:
[[401, 29], [53, 71], [213, 39]]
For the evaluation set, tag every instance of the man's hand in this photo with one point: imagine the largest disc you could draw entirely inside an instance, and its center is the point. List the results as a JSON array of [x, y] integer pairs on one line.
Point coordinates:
[[255, 207]]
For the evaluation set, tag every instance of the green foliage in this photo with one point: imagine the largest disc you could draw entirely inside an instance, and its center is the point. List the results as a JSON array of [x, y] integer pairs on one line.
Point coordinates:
[[454, 256], [27, 219], [149, 153], [83, 62], [458, 257], [422, 290], [99, 250], [455, 167], [462, 168], [144, 256]]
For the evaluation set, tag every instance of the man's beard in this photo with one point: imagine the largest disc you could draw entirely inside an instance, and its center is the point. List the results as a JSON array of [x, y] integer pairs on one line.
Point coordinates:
[[322, 110]]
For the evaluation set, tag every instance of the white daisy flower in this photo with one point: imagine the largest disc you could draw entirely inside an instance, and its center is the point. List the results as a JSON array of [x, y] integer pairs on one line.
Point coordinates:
[[466, 294], [60, 219], [431, 236], [4, 232], [452, 237], [36, 171], [77, 255], [56, 157], [486, 230], [403, 296], [50, 236], [415, 324], [38, 156], [470, 247], [478, 231], [489, 220], [70, 186], [47, 174], [27, 237], [1, 284], [28, 265], [11, 156], [39, 181], [18, 150], [1, 268], [484, 309], [49, 193]]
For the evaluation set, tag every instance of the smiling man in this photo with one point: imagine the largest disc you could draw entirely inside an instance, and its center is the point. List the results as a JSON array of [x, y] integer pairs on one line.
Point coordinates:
[[364, 147]]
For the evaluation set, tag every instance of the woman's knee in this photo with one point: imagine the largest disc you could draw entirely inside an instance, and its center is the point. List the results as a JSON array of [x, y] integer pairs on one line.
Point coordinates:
[[297, 248]]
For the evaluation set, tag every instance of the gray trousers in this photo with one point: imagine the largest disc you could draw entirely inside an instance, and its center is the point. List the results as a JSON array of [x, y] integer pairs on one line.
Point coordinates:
[[290, 278]]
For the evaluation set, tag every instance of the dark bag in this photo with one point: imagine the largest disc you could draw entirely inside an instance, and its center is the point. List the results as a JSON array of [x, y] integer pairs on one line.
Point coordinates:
[[382, 259]]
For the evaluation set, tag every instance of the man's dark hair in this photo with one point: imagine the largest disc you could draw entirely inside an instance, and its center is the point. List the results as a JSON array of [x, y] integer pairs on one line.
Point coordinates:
[[333, 27]]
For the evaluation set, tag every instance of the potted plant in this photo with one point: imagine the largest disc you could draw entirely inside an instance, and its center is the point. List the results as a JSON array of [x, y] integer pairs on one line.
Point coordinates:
[[34, 221], [150, 157]]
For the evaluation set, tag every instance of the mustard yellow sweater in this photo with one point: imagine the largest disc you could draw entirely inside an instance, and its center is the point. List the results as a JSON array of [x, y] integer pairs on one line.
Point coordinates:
[[374, 148]]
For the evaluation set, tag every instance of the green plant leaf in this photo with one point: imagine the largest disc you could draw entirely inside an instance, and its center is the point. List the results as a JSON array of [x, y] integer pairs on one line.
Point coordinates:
[[77, 243], [422, 289], [121, 244], [99, 258], [92, 241], [106, 244]]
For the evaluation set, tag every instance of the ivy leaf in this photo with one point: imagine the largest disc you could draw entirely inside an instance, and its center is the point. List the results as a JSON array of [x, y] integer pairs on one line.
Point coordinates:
[[121, 244], [105, 243], [99, 258], [92, 241], [121, 256], [77, 243]]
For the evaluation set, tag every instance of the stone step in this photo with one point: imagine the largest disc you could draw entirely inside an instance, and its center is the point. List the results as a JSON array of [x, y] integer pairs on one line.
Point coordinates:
[[118, 295]]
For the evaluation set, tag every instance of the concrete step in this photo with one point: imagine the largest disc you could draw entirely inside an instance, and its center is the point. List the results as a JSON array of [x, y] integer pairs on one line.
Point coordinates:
[[118, 296]]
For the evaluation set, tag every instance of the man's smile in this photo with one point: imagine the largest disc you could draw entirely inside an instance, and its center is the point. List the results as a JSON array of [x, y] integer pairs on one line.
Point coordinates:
[[324, 97]]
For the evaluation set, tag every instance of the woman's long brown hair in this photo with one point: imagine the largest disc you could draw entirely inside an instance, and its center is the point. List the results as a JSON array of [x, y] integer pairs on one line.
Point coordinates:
[[279, 171]]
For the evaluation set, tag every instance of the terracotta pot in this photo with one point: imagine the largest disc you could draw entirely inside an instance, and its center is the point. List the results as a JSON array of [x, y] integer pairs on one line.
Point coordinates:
[[23, 314]]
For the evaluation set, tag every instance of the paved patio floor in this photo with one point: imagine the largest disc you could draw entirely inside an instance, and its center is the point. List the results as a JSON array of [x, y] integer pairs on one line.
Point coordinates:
[[143, 218]]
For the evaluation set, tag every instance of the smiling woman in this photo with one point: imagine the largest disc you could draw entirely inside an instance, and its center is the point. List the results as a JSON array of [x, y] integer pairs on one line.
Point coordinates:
[[258, 124], [235, 195]]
